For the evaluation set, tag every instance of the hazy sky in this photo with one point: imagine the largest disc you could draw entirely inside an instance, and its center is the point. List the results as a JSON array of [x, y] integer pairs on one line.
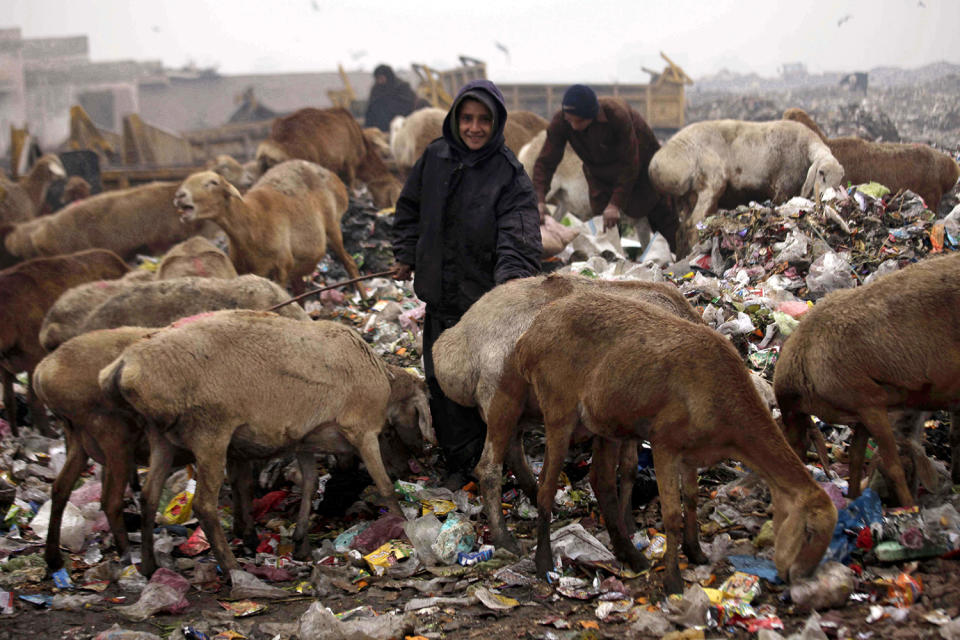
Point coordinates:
[[546, 40]]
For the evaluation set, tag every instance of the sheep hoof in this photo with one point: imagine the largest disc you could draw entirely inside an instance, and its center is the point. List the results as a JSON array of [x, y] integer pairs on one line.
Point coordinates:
[[54, 561], [543, 563], [672, 582], [696, 555]]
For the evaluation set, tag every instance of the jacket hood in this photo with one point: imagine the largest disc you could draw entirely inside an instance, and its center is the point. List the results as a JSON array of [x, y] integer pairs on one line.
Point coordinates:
[[500, 120]]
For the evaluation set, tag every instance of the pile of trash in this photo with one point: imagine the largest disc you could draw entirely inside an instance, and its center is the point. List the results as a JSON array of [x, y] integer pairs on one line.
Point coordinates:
[[374, 574]]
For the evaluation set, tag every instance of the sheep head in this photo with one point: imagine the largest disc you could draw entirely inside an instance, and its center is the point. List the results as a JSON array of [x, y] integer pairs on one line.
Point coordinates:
[[269, 154], [203, 195], [802, 533], [824, 172], [385, 191], [409, 410]]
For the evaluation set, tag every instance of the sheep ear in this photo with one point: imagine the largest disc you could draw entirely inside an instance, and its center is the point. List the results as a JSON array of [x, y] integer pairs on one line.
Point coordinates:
[[424, 420], [807, 190], [232, 190]]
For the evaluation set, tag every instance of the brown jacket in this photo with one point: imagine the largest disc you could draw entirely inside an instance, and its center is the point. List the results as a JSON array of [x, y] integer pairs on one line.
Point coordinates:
[[615, 149]]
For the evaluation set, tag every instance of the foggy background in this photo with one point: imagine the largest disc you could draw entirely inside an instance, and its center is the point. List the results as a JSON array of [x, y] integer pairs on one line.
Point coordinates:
[[521, 41]]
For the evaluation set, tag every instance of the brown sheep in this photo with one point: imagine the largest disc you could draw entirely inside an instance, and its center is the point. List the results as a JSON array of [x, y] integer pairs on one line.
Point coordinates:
[[27, 291], [76, 189], [859, 353], [195, 257], [281, 227], [898, 166], [126, 222], [473, 362], [23, 200], [530, 121], [410, 135], [333, 139], [735, 161], [239, 175], [643, 373], [258, 385], [65, 317]]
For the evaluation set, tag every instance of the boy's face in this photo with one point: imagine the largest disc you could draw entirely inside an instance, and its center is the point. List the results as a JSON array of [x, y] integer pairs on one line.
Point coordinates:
[[475, 124]]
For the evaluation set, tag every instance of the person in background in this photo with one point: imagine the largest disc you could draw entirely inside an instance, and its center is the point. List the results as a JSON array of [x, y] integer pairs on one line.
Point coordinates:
[[389, 97], [616, 145], [465, 222]]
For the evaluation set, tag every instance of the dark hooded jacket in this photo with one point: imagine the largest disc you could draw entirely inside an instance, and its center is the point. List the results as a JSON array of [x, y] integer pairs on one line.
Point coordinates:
[[467, 220], [386, 101]]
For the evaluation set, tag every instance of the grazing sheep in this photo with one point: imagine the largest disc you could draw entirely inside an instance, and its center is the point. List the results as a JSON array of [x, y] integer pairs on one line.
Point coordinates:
[[65, 317], [643, 373], [23, 200], [242, 384], [859, 353], [195, 257], [474, 365], [380, 140], [568, 188], [281, 227], [126, 222], [333, 139], [532, 122], [239, 175], [410, 135], [898, 166], [27, 291], [705, 161]]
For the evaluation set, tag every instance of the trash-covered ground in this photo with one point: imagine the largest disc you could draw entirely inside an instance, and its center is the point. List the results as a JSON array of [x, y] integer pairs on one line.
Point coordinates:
[[887, 573]]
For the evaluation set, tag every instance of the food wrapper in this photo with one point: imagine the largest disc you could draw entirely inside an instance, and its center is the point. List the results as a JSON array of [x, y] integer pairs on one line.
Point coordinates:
[[243, 608], [195, 544], [62, 579], [6, 602], [180, 508], [714, 595], [656, 548], [903, 590], [437, 507], [385, 556], [741, 585]]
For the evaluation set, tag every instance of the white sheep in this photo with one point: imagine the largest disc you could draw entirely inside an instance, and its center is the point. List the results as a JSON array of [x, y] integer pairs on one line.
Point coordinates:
[[568, 188], [730, 162]]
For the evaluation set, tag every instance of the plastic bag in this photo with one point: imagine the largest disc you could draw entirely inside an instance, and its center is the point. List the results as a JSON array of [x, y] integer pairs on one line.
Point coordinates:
[[829, 272], [131, 580], [246, 585], [831, 586], [117, 633], [73, 527], [180, 508], [422, 532], [387, 527], [319, 622], [456, 534], [164, 592]]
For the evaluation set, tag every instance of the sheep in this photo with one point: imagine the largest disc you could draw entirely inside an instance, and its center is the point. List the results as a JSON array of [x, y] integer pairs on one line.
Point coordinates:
[[333, 139], [705, 161], [28, 290], [23, 200], [568, 188], [76, 189], [281, 227], [898, 166], [643, 373], [65, 317], [239, 175], [410, 135], [859, 353], [126, 222], [473, 363], [258, 384], [380, 141], [532, 122], [196, 256]]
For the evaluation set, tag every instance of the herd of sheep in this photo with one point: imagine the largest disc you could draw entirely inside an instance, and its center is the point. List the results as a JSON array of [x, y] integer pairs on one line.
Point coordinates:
[[184, 364]]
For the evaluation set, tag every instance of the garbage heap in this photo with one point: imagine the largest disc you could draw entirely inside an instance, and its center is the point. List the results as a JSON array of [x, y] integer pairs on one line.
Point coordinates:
[[755, 270]]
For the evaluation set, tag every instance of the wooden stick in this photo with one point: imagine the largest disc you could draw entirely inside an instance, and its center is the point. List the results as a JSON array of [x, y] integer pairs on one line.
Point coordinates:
[[330, 286]]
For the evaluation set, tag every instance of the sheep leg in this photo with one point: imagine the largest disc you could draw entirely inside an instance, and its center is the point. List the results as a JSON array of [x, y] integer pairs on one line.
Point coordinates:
[[502, 440], [955, 447], [368, 444], [308, 488], [161, 459], [335, 244], [10, 401], [517, 462], [820, 444], [38, 411], [559, 429], [629, 459], [691, 530], [603, 479], [878, 424], [856, 452], [59, 494], [668, 465], [210, 458], [240, 477], [118, 468]]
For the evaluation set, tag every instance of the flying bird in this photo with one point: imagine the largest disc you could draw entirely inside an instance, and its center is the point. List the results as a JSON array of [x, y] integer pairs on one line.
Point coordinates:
[[921, 4], [315, 5], [356, 55], [503, 48], [843, 19]]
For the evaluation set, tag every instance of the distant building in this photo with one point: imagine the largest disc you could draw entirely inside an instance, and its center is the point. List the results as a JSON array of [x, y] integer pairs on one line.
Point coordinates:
[[41, 78], [793, 71]]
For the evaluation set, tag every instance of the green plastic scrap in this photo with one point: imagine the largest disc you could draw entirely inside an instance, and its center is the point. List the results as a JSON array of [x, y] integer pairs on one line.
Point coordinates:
[[873, 189]]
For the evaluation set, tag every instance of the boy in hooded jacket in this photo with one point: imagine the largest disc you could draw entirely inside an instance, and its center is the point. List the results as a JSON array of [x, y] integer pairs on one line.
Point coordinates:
[[465, 222]]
